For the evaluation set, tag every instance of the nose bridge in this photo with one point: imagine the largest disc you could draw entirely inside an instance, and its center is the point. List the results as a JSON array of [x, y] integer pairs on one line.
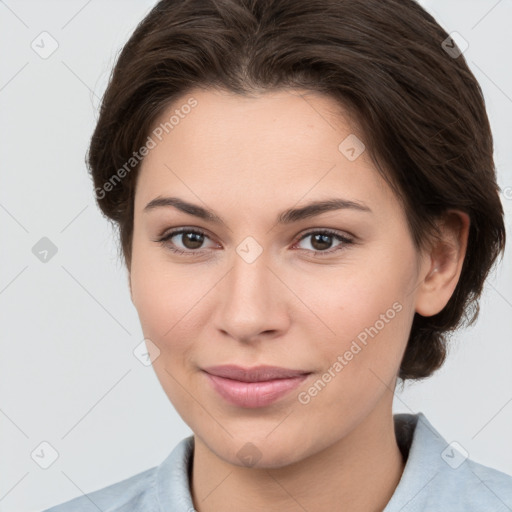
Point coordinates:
[[249, 280], [249, 305]]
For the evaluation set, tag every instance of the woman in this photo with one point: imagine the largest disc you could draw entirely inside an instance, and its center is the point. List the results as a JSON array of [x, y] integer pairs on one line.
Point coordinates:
[[307, 204]]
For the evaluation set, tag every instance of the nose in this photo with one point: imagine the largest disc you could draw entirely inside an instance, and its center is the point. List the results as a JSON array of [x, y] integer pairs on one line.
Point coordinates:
[[252, 301]]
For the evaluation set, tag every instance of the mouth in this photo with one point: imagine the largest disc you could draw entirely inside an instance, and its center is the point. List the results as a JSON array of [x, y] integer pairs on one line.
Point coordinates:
[[253, 387], [257, 374]]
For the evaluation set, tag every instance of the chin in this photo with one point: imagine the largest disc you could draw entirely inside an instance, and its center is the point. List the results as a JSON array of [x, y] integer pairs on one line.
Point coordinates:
[[260, 452]]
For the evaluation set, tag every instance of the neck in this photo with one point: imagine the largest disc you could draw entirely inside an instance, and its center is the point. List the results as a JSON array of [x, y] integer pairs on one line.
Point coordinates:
[[358, 473]]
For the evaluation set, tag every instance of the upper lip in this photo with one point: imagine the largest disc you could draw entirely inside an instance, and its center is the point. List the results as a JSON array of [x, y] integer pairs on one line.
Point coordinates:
[[255, 374]]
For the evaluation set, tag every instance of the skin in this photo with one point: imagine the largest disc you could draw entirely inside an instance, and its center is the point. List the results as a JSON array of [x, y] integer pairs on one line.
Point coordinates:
[[247, 159]]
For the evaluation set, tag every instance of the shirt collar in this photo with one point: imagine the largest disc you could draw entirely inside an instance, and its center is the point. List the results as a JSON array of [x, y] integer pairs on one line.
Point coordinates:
[[424, 446]]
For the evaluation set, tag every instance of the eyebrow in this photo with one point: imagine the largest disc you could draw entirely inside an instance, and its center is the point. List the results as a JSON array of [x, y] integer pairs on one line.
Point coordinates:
[[286, 217]]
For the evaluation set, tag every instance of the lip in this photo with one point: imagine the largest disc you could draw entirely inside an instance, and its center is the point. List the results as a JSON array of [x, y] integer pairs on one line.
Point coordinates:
[[253, 387], [256, 374]]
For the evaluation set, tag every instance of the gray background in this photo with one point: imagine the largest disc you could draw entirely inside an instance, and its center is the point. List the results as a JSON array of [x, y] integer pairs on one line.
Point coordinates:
[[68, 373]]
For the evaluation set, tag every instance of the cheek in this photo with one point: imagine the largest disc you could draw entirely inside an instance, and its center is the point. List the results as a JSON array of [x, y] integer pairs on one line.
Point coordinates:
[[360, 362], [370, 312], [161, 297], [370, 331], [165, 306], [171, 302]]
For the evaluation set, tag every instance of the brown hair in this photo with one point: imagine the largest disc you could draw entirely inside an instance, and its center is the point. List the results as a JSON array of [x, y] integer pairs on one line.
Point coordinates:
[[420, 108]]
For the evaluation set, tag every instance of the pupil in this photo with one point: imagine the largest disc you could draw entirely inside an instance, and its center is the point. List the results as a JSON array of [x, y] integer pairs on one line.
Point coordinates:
[[193, 240], [323, 239]]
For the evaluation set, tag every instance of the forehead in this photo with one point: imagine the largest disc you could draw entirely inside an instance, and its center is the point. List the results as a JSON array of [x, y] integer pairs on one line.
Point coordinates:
[[274, 146]]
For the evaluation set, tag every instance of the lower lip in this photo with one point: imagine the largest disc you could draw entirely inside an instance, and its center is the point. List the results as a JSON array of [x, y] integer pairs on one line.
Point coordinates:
[[253, 394]]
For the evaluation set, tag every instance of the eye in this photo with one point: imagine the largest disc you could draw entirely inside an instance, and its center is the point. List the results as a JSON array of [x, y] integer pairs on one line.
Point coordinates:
[[321, 241], [191, 242]]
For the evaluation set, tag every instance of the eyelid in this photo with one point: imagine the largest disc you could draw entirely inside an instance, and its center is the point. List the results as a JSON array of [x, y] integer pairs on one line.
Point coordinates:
[[164, 238], [345, 239]]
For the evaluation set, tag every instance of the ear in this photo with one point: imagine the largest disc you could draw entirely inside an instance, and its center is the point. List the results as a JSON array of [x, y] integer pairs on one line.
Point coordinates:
[[442, 263]]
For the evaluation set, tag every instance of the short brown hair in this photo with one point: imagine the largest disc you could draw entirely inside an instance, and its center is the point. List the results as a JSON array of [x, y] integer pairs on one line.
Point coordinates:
[[420, 108]]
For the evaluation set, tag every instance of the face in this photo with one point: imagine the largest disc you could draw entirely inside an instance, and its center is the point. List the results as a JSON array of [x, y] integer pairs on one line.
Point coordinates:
[[330, 293]]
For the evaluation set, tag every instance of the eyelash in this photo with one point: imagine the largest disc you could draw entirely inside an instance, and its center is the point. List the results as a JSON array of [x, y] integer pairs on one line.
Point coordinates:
[[346, 241]]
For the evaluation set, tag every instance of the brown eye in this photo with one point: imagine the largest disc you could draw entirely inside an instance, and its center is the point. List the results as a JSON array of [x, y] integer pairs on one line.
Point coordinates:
[[322, 241], [190, 239]]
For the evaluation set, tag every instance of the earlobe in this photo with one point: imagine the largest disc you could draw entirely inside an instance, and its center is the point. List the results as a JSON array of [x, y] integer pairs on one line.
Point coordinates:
[[443, 264]]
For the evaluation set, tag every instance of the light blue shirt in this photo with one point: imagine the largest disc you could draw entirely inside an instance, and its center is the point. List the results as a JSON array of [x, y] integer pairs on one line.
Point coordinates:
[[437, 478]]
